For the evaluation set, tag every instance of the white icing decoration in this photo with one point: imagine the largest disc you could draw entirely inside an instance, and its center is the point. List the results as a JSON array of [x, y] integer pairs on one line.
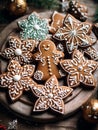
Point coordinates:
[[89, 115], [42, 59], [95, 117], [78, 71], [38, 75], [50, 95], [73, 32], [16, 78], [80, 68], [46, 48], [37, 27], [70, 21], [52, 98], [18, 52]]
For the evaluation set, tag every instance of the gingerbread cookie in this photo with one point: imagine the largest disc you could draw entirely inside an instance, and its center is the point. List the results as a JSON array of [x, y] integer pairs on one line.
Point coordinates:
[[51, 95], [17, 79], [20, 50], [34, 27], [74, 33], [80, 70], [95, 29], [48, 58], [91, 52], [78, 10], [57, 21]]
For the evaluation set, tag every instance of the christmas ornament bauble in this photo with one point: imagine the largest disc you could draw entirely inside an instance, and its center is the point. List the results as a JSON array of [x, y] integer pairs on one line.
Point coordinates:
[[17, 7], [90, 111]]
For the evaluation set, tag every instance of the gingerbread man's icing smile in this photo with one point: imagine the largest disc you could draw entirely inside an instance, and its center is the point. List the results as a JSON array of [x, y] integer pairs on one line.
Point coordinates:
[[46, 48]]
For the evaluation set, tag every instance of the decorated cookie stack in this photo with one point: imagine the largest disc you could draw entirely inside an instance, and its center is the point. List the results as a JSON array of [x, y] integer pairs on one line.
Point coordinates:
[[50, 58]]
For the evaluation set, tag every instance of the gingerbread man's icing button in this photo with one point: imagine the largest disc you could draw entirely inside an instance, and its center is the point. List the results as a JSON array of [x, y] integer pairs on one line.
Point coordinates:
[[48, 59]]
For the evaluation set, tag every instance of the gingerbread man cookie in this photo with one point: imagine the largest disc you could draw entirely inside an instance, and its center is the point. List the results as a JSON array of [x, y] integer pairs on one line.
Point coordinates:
[[17, 79], [20, 50], [51, 95], [79, 70], [48, 58]]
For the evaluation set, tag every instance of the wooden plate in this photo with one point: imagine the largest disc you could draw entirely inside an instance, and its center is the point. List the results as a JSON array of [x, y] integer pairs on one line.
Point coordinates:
[[23, 107]]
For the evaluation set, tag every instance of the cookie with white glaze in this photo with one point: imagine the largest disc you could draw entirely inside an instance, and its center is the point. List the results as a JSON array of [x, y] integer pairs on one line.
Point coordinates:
[[90, 52], [79, 70], [20, 50], [17, 79], [51, 96], [78, 10], [34, 27], [74, 33], [48, 58]]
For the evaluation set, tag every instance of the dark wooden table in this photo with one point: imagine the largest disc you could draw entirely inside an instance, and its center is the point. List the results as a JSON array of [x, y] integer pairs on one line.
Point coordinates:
[[73, 122]]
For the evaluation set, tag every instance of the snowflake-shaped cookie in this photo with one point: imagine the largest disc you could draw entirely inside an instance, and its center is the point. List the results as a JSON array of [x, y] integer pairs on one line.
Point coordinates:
[[80, 70], [17, 79], [19, 50], [34, 27], [74, 33], [51, 95]]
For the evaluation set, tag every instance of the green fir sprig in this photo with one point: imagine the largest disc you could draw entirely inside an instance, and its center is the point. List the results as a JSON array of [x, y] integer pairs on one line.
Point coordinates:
[[45, 4], [96, 16]]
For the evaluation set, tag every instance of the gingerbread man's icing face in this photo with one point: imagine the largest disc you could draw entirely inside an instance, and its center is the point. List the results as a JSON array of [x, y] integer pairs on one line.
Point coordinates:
[[47, 47]]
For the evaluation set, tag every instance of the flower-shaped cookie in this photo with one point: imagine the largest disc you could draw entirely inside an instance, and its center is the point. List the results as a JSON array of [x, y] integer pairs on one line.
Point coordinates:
[[17, 79], [34, 27], [51, 95], [75, 33], [80, 70], [19, 50]]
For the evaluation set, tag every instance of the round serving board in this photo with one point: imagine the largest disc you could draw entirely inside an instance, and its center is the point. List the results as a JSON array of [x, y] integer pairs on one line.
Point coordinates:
[[23, 108]]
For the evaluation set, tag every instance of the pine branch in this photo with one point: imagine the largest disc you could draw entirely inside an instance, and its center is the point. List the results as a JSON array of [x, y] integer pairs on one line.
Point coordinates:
[[96, 16], [46, 4]]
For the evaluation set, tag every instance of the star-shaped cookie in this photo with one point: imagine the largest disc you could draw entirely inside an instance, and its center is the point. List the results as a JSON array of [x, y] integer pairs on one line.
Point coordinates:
[[20, 50], [79, 70], [74, 33], [34, 27], [17, 79], [51, 95]]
